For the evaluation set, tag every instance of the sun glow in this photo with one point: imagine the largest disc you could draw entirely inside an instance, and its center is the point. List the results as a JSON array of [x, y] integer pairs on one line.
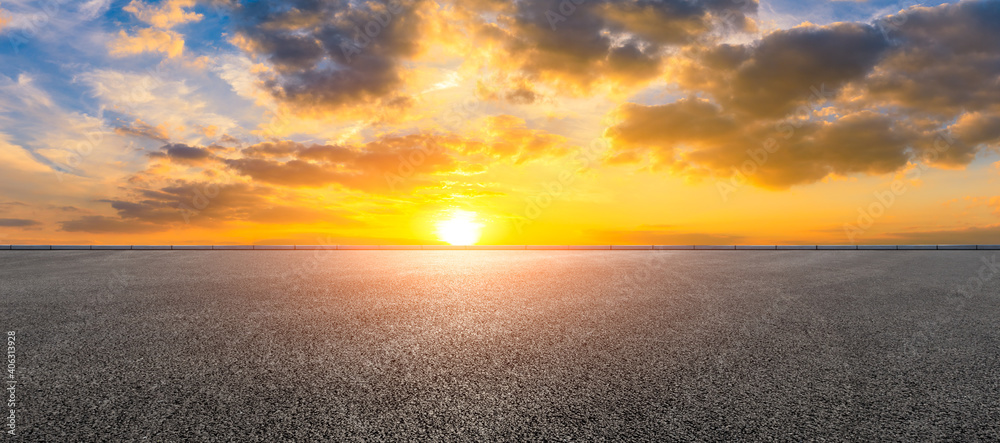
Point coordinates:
[[460, 228]]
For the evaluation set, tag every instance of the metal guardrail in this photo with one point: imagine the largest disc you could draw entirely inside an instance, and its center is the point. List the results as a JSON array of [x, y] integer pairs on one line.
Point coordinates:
[[500, 247]]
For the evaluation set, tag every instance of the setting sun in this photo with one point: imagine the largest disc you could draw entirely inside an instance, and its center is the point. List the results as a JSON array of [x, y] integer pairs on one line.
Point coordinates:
[[460, 228]]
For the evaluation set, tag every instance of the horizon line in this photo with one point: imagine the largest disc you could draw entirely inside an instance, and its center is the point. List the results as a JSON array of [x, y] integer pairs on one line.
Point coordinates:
[[952, 247]]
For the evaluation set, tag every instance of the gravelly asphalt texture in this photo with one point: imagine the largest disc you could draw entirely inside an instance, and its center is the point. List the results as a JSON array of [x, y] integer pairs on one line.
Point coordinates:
[[504, 345]]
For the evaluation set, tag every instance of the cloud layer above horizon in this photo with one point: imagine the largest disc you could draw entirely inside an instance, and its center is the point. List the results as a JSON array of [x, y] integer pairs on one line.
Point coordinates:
[[579, 121]]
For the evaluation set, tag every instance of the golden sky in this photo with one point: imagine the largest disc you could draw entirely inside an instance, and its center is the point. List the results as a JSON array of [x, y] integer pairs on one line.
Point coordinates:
[[499, 122]]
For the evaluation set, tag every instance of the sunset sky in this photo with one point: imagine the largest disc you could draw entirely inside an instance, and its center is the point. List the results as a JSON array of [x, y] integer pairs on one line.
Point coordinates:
[[534, 121]]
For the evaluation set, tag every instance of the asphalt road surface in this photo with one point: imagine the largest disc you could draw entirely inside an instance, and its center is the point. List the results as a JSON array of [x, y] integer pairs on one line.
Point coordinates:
[[504, 345]]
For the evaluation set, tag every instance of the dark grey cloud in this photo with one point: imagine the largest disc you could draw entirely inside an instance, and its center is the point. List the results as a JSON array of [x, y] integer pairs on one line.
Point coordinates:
[[181, 153], [574, 44], [332, 53], [696, 137], [847, 98], [203, 204], [282, 148], [18, 223], [785, 69], [98, 224], [175, 204], [946, 59]]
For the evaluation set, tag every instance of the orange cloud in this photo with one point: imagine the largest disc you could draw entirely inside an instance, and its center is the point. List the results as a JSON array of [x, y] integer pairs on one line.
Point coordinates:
[[148, 40], [164, 15], [158, 38], [695, 137], [388, 164], [209, 130], [506, 136]]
